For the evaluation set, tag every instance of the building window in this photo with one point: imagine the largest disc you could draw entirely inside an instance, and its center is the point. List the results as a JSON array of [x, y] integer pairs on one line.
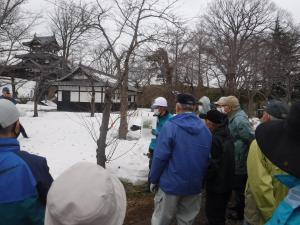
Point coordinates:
[[98, 97], [59, 96], [85, 97], [74, 96]]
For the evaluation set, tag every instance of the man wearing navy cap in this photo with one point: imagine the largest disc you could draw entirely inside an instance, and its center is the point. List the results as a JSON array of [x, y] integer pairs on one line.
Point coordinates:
[[6, 94], [179, 165]]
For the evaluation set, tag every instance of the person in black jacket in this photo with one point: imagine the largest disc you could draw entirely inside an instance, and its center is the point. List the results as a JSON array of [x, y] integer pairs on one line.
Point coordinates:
[[220, 173]]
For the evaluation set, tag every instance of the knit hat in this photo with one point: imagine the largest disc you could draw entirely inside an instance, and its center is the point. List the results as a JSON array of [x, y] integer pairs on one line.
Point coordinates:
[[186, 99], [277, 109], [215, 116], [9, 113], [86, 194], [230, 101]]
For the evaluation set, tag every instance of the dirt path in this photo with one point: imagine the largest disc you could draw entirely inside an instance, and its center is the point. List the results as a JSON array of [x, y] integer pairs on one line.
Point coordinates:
[[140, 208]]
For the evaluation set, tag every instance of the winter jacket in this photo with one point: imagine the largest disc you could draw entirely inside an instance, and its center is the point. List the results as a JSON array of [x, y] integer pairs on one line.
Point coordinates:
[[243, 135], [288, 211], [220, 173], [10, 99], [263, 191], [24, 184], [161, 120], [181, 156]]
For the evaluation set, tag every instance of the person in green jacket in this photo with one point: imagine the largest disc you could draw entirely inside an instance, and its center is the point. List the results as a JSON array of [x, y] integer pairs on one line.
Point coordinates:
[[263, 191], [160, 107], [242, 133]]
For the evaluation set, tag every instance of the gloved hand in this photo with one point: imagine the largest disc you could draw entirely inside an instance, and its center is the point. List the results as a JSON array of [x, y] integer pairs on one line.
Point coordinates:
[[154, 132], [153, 188]]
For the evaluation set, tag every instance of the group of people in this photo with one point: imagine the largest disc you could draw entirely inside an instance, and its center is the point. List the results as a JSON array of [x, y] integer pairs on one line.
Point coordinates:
[[221, 153], [215, 150]]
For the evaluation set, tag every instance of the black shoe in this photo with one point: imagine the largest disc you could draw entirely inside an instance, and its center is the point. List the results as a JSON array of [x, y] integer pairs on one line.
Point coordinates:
[[235, 216]]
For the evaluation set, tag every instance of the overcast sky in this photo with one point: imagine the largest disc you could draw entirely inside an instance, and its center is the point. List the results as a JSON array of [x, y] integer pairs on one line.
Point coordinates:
[[187, 9]]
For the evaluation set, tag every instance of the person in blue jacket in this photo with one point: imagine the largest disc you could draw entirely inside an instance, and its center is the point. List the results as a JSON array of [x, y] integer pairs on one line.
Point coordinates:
[[160, 106], [24, 178], [6, 94], [179, 165], [279, 140]]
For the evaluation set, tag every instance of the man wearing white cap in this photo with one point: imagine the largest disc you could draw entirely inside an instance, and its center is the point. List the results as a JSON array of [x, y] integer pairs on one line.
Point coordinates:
[[24, 178], [160, 106], [86, 194]]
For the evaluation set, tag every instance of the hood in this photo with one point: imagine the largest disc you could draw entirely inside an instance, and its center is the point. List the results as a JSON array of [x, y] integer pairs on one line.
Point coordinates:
[[206, 104], [288, 180], [188, 122]]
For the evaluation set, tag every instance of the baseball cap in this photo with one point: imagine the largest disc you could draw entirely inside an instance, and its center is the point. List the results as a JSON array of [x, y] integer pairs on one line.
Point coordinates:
[[186, 99], [230, 101], [9, 113], [86, 194], [277, 109], [5, 89]]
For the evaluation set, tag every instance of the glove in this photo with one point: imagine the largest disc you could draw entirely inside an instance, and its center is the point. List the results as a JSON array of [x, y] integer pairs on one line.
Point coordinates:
[[153, 188]]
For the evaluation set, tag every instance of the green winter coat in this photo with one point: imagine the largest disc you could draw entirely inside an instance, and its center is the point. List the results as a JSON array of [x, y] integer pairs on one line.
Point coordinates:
[[263, 191], [243, 135]]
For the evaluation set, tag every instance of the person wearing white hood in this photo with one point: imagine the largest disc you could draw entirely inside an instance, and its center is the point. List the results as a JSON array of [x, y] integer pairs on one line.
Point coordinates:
[[86, 194], [203, 106]]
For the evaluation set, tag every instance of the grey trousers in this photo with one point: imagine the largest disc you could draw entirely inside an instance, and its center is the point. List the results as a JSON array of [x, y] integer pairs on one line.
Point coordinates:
[[167, 207]]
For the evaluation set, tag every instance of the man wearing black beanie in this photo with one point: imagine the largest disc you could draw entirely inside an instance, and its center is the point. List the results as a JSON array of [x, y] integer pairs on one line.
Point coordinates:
[[220, 174]]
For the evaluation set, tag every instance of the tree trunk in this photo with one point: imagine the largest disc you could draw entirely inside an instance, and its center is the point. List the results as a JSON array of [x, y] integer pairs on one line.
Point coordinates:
[[250, 105], [13, 87], [93, 102], [35, 109], [36, 99], [123, 129], [200, 78], [101, 143]]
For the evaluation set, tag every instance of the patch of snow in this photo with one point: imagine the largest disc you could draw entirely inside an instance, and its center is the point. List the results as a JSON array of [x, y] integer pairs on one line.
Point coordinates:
[[64, 139]]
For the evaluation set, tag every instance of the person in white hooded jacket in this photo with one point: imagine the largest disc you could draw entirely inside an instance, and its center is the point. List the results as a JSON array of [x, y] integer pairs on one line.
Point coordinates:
[[203, 106]]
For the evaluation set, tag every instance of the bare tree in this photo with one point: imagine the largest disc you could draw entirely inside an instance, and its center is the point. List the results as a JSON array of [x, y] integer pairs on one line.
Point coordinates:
[[125, 26], [230, 25], [8, 12], [71, 21], [137, 22], [15, 25]]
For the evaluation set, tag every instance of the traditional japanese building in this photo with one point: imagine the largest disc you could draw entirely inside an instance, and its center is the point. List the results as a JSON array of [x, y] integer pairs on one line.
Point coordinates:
[[41, 62], [75, 90]]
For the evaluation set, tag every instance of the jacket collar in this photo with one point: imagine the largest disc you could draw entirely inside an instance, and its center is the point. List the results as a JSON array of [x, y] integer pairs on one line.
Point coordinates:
[[9, 144]]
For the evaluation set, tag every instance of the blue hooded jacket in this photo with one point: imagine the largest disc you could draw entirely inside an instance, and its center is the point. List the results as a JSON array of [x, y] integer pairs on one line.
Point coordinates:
[[288, 211], [24, 184], [181, 156]]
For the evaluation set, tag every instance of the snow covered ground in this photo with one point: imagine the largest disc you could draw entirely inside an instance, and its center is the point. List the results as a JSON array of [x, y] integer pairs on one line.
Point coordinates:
[[65, 138]]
